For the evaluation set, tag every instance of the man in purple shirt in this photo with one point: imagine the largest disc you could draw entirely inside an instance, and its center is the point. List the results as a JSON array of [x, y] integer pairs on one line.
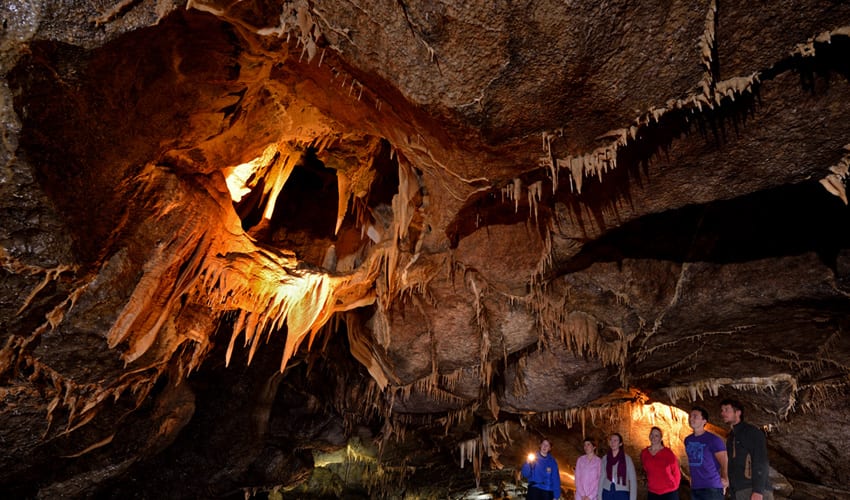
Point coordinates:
[[707, 459]]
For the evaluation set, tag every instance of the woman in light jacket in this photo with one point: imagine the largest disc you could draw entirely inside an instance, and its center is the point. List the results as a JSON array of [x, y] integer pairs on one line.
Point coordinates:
[[588, 468], [618, 480]]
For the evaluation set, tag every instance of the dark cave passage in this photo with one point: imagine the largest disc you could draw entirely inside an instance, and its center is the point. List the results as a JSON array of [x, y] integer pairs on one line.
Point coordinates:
[[785, 221]]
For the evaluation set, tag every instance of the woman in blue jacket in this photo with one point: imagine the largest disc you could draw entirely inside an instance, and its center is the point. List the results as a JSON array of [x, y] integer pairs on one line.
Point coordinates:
[[541, 471]]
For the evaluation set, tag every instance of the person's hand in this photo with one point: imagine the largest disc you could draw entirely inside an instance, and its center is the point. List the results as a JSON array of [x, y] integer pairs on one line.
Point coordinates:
[[756, 496], [725, 483]]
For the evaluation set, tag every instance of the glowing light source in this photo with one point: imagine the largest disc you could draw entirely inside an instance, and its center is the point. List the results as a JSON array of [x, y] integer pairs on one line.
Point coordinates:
[[237, 179], [531, 457], [241, 179], [672, 421], [655, 411]]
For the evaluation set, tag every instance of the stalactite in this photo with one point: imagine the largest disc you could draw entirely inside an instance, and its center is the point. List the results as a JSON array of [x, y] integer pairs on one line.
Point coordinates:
[[450, 380], [535, 193], [517, 193], [359, 403], [483, 327], [683, 361], [473, 450], [80, 401], [55, 316], [707, 47], [836, 182], [808, 49], [14, 266], [519, 389], [453, 417], [579, 331], [468, 449], [344, 194], [545, 262], [513, 192], [620, 406], [708, 95], [405, 207], [695, 390], [687, 339], [823, 393], [297, 19], [226, 268], [362, 350], [428, 386], [806, 367]]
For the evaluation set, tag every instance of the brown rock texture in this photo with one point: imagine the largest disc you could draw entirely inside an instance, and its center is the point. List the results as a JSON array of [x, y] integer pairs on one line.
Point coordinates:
[[378, 249]]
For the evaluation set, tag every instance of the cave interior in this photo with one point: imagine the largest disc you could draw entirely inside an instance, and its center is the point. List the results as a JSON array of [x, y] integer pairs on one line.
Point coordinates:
[[292, 249]]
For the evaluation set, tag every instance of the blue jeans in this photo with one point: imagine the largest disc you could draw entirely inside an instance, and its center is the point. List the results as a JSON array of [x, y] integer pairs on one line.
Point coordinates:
[[707, 494]]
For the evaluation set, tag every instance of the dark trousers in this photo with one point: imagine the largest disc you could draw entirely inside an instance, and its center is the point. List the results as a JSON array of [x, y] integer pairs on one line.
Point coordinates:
[[707, 494], [745, 494], [538, 494], [612, 494], [671, 495]]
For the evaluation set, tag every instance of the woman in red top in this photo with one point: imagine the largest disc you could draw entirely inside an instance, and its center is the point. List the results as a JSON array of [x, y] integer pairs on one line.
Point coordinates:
[[662, 468]]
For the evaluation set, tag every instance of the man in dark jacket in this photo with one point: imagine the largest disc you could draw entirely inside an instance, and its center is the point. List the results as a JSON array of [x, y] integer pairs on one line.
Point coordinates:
[[541, 471], [747, 450]]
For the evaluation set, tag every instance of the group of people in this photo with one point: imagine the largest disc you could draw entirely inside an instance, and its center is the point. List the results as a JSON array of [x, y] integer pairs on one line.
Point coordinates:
[[739, 466]]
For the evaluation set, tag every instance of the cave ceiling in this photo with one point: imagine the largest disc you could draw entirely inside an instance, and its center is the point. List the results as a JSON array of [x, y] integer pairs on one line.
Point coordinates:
[[243, 241]]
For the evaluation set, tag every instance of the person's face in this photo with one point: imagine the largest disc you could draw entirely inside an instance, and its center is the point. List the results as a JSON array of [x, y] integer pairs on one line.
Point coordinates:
[[730, 415], [655, 437], [588, 448], [614, 442], [695, 420], [545, 446]]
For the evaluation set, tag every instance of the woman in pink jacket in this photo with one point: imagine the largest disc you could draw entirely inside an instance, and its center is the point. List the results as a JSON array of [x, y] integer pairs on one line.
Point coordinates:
[[588, 469]]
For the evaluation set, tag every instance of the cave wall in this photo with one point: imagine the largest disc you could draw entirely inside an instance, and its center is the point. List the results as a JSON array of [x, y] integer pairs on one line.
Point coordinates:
[[241, 238]]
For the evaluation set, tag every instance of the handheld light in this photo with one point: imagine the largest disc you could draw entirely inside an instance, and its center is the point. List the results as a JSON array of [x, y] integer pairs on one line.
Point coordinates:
[[531, 457]]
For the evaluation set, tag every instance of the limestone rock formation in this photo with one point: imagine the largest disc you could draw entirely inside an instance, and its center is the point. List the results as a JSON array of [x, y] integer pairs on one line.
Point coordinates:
[[377, 249]]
